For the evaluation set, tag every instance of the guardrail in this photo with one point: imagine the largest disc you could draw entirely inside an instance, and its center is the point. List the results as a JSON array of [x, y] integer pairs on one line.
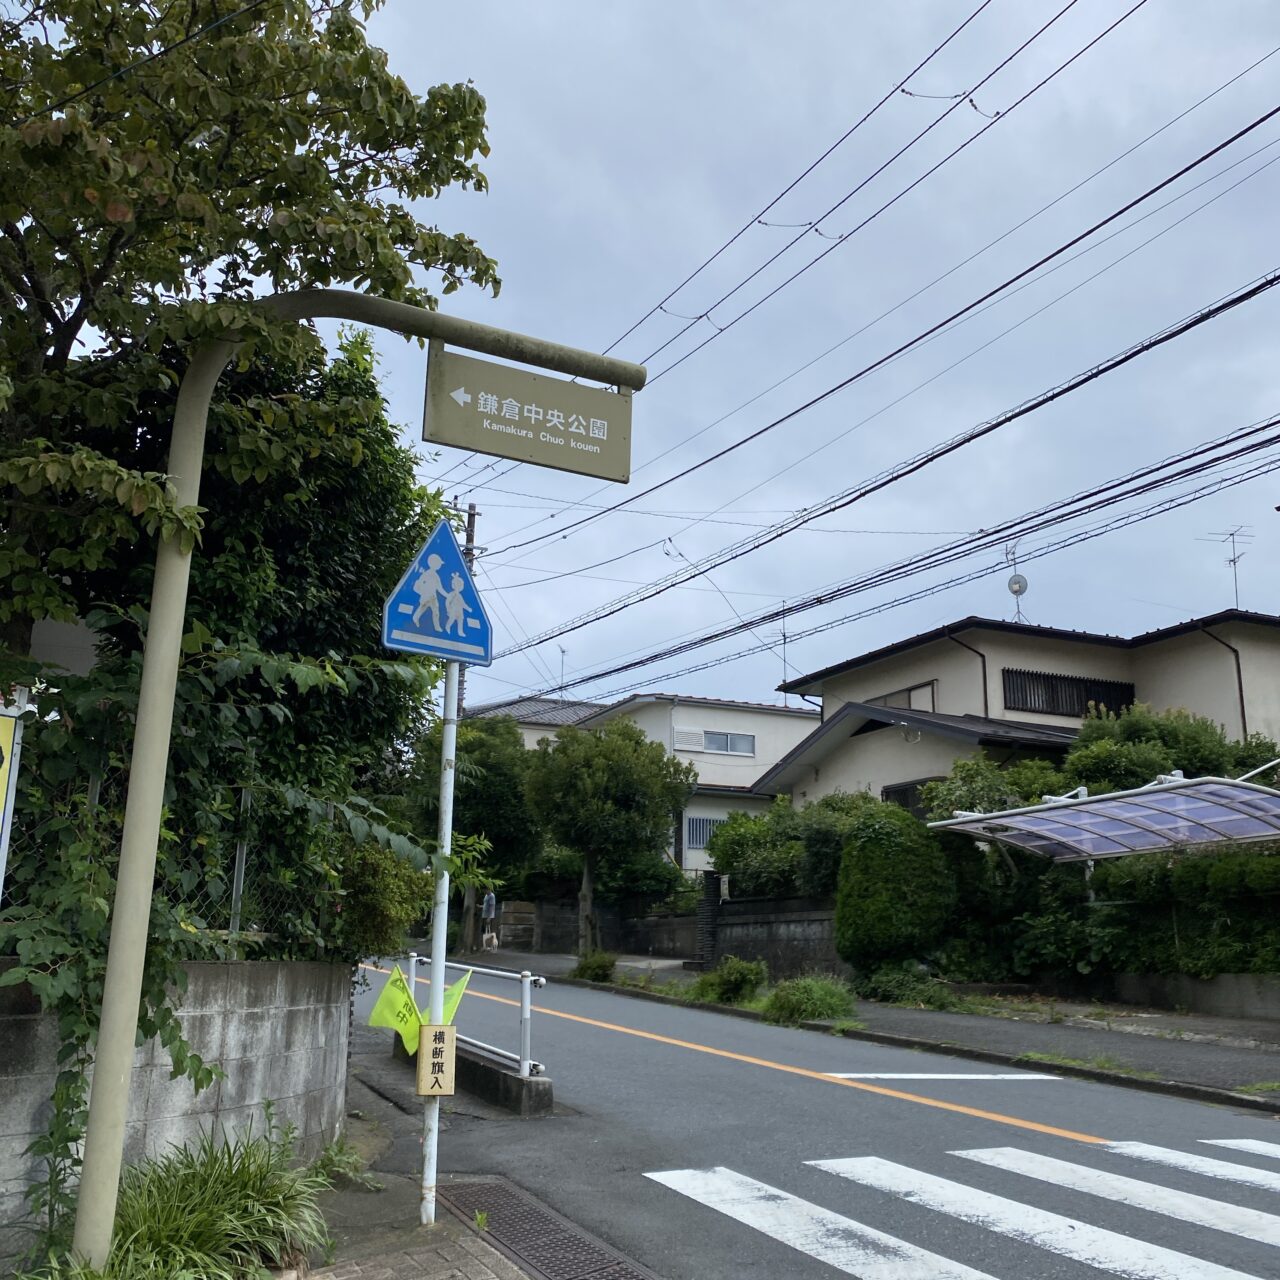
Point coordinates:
[[524, 1059]]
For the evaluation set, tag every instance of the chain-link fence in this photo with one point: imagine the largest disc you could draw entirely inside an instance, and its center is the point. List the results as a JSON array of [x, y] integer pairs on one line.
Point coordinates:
[[234, 890]]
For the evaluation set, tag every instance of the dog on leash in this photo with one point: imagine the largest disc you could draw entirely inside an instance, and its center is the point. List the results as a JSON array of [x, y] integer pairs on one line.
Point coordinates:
[[489, 942]]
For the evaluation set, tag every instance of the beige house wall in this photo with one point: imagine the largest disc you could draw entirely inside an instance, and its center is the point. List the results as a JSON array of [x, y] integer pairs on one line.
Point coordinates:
[[1192, 672], [1260, 660], [958, 674], [883, 758]]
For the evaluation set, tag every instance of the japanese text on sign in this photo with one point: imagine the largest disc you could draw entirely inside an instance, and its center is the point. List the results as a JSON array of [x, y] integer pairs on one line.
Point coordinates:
[[437, 1049]]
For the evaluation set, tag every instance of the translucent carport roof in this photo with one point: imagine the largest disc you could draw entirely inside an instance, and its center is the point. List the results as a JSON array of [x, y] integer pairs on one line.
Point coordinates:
[[1168, 814]]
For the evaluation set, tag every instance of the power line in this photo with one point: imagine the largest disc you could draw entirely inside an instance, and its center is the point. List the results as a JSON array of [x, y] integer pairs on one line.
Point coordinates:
[[927, 457], [884, 315], [706, 315], [142, 62], [696, 518], [1120, 522], [1191, 465], [920, 337], [890, 203], [795, 182]]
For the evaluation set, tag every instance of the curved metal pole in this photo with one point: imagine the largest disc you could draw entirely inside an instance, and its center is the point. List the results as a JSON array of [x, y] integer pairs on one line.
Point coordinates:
[[149, 763]]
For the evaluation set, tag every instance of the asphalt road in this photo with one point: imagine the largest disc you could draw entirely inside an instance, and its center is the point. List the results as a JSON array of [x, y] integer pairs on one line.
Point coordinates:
[[711, 1148]]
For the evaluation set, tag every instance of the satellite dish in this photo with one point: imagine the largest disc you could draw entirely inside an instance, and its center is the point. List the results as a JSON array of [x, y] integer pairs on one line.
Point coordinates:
[[1017, 585]]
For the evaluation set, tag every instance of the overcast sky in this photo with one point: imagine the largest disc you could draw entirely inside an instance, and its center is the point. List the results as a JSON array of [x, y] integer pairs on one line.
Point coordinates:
[[630, 141]]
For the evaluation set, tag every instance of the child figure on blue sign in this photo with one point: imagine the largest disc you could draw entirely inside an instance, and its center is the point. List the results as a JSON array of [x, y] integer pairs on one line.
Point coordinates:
[[429, 589], [455, 607]]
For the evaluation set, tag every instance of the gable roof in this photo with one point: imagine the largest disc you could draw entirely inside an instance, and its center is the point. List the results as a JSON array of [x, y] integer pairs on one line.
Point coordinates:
[[548, 711], [640, 699], [854, 717], [973, 623]]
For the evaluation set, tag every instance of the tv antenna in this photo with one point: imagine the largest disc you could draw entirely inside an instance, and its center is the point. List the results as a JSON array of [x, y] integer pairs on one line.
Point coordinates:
[[1241, 534], [1017, 583], [562, 653]]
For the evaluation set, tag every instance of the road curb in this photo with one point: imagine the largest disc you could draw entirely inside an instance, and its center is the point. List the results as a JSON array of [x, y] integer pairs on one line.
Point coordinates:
[[1170, 1088]]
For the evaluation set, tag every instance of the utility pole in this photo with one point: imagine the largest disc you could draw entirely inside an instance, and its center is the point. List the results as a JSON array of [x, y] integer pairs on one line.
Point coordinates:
[[469, 893], [469, 555]]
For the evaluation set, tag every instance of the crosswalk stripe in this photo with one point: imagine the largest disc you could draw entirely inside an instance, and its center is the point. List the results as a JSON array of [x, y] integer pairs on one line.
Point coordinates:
[[936, 1075], [849, 1246], [1215, 1214], [1192, 1163], [1095, 1246], [1254, 1146]]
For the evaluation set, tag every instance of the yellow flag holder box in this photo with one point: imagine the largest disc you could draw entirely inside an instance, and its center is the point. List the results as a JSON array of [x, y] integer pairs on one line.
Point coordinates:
[[522, 1060]]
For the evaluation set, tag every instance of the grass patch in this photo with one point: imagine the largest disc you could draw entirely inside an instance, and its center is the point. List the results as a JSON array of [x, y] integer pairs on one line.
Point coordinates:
[[841, 1025], [807, 999], [913, 988], [340, 1162], [1263, 1086], [1100, 1063], [595, 966], [732, 981]]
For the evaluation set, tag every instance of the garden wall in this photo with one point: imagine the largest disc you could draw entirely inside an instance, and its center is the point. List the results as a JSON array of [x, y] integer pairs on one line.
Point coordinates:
[[278, 1029], [792, 936]]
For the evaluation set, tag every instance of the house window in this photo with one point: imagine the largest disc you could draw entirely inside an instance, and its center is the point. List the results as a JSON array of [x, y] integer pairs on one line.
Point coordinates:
[[699, 831], [906, 795], [735, 744], [1055, 695], [916, 697]]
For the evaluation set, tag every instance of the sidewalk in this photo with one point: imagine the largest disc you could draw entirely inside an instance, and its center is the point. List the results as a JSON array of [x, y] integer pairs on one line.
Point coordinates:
[[1193, 1055], [375, 1231]]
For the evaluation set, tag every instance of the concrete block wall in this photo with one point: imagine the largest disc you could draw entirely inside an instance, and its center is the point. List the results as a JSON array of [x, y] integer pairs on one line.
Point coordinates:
[[278, 1029]]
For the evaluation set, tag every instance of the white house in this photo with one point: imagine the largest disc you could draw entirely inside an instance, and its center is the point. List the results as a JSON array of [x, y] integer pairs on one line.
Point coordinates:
[[900, 716], [729, 743]]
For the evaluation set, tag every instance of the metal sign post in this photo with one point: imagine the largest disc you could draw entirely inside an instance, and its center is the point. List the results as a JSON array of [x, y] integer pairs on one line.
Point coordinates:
[[439, 936], [435, 610]]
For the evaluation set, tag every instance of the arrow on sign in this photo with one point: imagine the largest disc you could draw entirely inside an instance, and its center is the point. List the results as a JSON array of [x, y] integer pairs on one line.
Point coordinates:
[[461, 397]]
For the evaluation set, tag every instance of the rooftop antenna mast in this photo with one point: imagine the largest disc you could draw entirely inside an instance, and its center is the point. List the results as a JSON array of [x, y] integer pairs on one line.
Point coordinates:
[[1242, 533], [1017, 583], [562, 653]]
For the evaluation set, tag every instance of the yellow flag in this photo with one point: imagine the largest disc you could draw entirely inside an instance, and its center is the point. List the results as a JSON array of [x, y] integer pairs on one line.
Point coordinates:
[[397, 1009], [453, 997]]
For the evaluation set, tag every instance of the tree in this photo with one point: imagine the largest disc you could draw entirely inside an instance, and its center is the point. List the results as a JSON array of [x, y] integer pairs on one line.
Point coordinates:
[[136, 218], [610, 795], [489, 798], [896, 891]]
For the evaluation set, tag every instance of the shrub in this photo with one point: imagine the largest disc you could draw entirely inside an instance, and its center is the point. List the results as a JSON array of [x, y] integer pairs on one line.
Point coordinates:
[[595, 966], [910, 985], [383, 894], [896, 890], [732, 981], [757, 854], [806, 999], [216, 1211]]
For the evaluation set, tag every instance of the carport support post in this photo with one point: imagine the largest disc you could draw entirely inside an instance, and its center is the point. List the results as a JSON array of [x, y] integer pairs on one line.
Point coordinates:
[[439, 934]]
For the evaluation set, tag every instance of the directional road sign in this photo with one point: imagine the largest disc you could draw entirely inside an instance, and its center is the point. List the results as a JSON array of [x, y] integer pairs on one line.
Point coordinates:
[[436, 609], [493, 408]]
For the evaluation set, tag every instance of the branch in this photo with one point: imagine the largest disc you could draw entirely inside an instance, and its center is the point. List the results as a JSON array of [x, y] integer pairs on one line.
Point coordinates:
[[38, 294]]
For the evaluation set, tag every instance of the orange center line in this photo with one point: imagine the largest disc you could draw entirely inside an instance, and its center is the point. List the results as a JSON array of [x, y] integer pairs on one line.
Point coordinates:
[[861, 1085]]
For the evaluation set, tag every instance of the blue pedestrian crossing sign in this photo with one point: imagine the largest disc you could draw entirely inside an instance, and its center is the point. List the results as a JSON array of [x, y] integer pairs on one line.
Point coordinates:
[[435, 609]]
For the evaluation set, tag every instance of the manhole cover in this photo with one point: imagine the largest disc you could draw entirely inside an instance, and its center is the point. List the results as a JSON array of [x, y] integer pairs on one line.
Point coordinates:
[[534, 1236]]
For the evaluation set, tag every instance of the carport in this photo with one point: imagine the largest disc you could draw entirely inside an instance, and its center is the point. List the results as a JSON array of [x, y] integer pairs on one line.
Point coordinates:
[[1171, 813]]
